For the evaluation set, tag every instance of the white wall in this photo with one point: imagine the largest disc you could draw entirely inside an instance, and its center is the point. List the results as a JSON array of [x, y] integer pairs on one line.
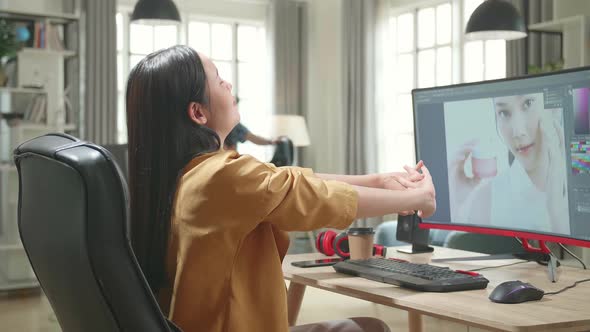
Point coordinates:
[[402, 3], [325, 87], [566, 8], [255, 10], [36, 6]]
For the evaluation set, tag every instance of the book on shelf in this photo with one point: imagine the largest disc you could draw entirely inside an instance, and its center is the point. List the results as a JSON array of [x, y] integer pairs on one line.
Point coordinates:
[[44, 35], [54, 37], [67, 104], [39, 36], [36, 110], [29, 109], [49, 36], [41, 115]]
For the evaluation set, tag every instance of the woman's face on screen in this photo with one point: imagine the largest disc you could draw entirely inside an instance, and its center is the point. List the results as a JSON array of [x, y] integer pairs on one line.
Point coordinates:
[[518, 124]]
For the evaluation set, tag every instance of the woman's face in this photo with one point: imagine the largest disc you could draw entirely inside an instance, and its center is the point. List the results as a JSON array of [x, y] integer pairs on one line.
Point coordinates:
[[223, 111], [518, 123]]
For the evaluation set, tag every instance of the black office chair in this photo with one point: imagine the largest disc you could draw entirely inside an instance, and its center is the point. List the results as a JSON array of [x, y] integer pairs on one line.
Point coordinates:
[[283, 155], [73, 222]]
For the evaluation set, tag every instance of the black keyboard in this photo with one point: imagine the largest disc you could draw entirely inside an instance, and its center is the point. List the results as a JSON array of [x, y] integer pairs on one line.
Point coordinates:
[[422, 277]]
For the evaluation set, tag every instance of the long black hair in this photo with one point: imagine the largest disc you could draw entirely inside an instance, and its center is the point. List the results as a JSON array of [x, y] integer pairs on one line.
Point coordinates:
[[162, 140]]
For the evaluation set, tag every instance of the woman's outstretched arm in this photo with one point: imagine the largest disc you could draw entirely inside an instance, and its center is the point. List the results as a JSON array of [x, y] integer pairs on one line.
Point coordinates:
[[420, 196], [368, 180], [380, 180]]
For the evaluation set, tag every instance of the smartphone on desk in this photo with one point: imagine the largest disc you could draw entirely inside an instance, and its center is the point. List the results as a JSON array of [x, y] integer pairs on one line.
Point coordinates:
[[317, 262]]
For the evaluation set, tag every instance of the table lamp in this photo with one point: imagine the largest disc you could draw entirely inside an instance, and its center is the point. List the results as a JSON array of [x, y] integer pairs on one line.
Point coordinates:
[[292, 126]]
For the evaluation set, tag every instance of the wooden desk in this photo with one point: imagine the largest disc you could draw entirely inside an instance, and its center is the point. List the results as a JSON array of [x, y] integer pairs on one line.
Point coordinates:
[[567, 311]]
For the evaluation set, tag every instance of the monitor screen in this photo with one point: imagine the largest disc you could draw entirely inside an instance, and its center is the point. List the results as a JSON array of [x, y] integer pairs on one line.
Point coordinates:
[[510, 156]]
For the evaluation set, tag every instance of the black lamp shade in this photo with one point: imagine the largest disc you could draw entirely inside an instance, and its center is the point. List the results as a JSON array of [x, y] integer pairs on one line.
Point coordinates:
[[155, 12], [495, 19]]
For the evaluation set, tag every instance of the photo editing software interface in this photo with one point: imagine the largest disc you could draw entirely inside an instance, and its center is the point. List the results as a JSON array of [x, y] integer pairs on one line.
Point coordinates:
[[510, 154]]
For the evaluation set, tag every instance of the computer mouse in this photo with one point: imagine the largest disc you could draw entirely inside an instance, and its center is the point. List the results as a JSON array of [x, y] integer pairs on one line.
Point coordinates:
[[516, 292]]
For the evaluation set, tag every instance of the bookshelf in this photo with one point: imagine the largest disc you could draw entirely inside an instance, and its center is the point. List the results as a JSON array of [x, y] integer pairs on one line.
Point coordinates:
[[574, 30], [58, 18], [64, 53], [20, 90], [43, 95]]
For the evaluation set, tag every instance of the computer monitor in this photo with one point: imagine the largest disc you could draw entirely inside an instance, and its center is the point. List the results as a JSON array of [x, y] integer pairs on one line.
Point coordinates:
[[509, 157]]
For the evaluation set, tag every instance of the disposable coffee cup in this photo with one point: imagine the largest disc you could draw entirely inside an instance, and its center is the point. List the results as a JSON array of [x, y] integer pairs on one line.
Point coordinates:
[[483, 162], [360, 242]]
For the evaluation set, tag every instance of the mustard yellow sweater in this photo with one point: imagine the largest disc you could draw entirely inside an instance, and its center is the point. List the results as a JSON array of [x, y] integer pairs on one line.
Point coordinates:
[[228, 239]]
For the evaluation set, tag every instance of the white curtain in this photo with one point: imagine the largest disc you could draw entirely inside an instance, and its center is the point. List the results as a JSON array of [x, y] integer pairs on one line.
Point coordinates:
[[383, 80], [287, 39], [100, 84], [359, 24], [360, 42], [286, 26]]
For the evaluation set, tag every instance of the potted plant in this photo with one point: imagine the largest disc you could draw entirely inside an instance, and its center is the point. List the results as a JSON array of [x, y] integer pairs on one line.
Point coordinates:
[[547, 68], [8, 46]]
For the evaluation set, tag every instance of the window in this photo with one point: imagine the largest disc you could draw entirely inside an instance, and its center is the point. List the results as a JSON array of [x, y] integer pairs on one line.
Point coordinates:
[[482, 60], [142, 40], [426, 50], [237, 49]]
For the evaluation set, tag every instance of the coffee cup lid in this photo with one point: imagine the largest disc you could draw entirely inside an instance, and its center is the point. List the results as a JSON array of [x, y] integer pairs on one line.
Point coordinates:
[[361, 231]]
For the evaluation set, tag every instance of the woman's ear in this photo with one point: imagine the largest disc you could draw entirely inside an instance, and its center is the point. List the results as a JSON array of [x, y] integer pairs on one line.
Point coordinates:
[[197, 113]]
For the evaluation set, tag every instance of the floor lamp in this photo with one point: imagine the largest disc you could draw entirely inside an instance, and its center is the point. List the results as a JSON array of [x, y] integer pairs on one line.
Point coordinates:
[[293, 127]]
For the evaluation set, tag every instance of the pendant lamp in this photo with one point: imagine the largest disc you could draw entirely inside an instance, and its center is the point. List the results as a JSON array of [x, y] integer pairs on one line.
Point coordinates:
[[160, 12], [495, 19]]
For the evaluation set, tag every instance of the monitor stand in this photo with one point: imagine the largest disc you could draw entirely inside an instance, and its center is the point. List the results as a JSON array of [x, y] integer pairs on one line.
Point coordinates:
[[541, 255], [416, 249], [408, 230]]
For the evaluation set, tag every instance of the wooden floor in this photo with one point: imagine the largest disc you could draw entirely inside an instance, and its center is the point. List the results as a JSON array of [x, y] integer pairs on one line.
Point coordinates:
[[319, 305], [26, 312], [31, 312]]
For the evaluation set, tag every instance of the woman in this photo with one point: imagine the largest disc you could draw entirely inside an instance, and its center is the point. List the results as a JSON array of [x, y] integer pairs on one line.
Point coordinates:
[[532, 192], [209, 225]]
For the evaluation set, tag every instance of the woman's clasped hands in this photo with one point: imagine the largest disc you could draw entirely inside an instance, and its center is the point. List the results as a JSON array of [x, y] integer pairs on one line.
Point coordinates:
[[414, 178]]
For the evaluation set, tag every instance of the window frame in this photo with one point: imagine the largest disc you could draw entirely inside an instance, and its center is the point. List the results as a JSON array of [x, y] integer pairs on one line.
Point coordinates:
[[414, 9], [181, 38], [458, 73]]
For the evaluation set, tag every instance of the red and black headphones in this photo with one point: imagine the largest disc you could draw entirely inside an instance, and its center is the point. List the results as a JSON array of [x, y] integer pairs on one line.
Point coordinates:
[[330, 243]]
